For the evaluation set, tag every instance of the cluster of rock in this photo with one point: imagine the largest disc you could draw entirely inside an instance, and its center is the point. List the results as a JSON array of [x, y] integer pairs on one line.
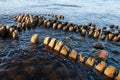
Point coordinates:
[[8, 31], [30, 21], [58, 47], [27, 21]]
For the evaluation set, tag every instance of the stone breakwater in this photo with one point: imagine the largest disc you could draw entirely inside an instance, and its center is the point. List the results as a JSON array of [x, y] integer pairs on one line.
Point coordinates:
[[55, 46], [55, 22], [26, 21]]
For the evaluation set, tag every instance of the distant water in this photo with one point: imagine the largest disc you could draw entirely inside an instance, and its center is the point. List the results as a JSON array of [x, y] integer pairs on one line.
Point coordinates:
[[101, 12]]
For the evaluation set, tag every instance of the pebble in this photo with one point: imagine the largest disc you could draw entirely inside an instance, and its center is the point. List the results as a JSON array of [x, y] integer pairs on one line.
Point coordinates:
[[81, 38], [98, 45], [1, 46]]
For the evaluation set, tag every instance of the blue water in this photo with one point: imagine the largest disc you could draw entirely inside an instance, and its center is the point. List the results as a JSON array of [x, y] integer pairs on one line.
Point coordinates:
[[100, 12]]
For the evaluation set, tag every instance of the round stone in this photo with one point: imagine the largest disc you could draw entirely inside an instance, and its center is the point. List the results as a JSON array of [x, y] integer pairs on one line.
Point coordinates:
[[98, 45]]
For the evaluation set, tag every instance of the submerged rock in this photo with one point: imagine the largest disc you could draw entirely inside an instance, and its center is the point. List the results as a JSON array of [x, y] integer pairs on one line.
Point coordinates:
[[102, 54], [98, 45], [1, 46]]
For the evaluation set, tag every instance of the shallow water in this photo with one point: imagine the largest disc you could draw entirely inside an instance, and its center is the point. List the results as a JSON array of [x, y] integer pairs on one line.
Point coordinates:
[[102, 13]]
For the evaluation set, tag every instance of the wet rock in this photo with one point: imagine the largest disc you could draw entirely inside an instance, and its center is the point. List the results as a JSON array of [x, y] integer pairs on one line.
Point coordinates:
[[52, 43], [90, 61], [118, 76], [1, 46], [34, 39], [101, 66], [98, 45], [110, 71], [102, 54], [15, 34], [82, 58], [64, 51], [73, 55]]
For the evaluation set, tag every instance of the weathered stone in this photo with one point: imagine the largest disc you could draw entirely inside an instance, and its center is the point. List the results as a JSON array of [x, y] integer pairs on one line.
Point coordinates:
[[90, 33], [73, 54], [1, 46], [83, 32], [15, 34], [71, 28], [90, 61], [102, 54], [82, 58], [118, 76], [98, 45], [103, 36], [52, 43], [61, 17], [96, 34], [110, 71], [110, 36], [46, 40], [64, 50], [54, 26], [34, 39], [101, 66], [115, 38], [60, 26]]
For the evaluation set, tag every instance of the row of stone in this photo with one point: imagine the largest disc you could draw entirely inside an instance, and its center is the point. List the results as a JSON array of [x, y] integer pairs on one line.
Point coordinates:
[[8, 31], [30, 21], [58, 47]]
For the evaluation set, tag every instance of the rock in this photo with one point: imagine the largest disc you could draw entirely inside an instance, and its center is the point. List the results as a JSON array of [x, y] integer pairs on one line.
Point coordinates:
[[118, 76], [46, 40], [1, 46], [110, 71], [15, 34], [90, 61], [110, 36], [34, 39], [96, 34], [98, 45], [102, 54], [73, 55], [58, 46], [52, 43], [64, 51], [82, 58], [101, 66]]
